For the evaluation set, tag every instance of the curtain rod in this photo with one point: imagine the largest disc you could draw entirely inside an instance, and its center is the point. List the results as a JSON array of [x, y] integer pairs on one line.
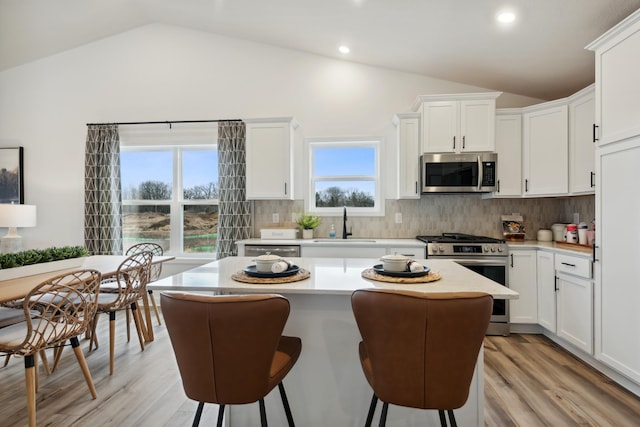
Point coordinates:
[[165, 122]]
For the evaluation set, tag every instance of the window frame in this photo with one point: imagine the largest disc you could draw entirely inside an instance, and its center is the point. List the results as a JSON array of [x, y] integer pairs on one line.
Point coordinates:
[[177, 202], [347, 142]]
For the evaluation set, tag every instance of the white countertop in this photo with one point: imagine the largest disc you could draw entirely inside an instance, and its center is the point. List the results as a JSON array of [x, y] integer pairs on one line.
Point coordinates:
[[322, 241], [330, 276], [577, 250]]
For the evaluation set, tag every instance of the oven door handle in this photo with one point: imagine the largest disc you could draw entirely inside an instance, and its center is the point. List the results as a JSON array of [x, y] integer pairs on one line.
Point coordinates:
[[491, 262]]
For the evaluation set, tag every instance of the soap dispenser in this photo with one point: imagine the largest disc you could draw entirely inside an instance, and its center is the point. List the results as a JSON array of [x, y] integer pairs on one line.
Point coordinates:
[[332, 232]]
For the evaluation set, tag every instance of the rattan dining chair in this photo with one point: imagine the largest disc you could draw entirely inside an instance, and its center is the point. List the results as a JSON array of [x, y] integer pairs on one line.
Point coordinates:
[[120, 293], [419, 350], [156, 271], [66, 305], [230, 349]]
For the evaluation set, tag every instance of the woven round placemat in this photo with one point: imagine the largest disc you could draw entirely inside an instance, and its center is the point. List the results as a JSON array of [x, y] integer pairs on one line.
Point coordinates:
[[370, 273], [241, 276]]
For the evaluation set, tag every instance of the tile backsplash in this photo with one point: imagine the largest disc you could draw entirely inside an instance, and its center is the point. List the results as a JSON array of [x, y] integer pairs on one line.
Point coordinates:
[[438, 213]]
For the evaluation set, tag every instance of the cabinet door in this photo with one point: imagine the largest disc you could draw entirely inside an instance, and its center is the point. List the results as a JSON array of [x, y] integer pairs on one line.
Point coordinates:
[[408, 158], [546, 290], [582, 159], [522, 279], [440, 127], [575, 311], [509, 149], [617, 296], [546, 163], [477, 125], [268, 159]]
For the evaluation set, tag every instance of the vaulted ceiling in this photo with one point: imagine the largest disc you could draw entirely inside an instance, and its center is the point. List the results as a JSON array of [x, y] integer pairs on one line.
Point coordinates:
[[541, 54]]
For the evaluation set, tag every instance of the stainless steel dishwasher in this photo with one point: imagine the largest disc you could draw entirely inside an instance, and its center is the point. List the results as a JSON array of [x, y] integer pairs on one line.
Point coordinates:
[[285, 251]]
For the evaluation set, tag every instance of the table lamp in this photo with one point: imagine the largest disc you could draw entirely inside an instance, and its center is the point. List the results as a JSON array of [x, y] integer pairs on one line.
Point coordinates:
[[12, 217]]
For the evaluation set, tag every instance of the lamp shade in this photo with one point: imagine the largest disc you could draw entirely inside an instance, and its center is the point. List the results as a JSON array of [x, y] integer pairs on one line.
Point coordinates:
[[17, 215]]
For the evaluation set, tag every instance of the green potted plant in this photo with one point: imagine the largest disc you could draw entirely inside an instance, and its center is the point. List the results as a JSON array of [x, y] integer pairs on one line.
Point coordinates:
[[308, 223]]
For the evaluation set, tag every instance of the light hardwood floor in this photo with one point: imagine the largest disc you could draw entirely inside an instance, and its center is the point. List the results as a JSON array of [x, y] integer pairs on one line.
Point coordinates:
[[529, 382]]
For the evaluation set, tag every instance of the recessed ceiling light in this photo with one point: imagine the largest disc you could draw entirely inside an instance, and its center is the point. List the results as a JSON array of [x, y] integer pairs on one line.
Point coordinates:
[[506, 17], [344, 49]]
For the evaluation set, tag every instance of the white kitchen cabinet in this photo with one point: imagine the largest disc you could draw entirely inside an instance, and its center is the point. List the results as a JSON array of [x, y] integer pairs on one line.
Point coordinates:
[[522, 279], [582, 161], [269, 158], [509, 149], [457, 123], [617, 268], [546, 149], [617, 91], [337, 251], [408, 152], [617, 294], [575, 311], [546, 288]]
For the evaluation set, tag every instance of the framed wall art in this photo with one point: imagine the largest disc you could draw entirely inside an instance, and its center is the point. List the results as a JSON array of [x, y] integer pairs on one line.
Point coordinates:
[[11, 175]]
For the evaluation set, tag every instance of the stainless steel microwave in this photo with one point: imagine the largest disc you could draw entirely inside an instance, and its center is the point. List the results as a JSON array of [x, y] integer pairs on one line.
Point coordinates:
[[458, 173]]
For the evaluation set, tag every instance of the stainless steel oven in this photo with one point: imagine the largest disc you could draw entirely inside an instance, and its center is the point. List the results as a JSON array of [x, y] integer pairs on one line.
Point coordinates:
[[484, 255]]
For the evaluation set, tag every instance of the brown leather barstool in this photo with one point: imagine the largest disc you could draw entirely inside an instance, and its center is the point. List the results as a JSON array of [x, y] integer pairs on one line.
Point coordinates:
[[229, 348], [419, 350]]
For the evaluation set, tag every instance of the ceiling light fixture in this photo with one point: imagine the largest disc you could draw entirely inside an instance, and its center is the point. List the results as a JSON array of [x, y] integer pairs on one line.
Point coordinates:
[[506, 17], [344, 49]]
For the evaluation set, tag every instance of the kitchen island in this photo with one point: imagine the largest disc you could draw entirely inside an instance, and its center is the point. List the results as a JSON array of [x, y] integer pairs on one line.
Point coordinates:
[[327, 386]]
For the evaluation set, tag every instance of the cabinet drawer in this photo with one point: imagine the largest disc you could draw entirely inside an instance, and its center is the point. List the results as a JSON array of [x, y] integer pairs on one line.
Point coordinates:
[[573, 265]]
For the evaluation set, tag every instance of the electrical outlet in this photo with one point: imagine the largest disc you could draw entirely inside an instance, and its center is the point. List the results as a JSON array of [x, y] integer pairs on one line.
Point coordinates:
[[576, 218], [275, 218], [399, 218]]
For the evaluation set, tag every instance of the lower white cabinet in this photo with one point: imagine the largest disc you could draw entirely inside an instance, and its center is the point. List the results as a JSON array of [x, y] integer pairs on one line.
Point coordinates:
[[546, 290], [337, 251], [522, 279], [575, 311]]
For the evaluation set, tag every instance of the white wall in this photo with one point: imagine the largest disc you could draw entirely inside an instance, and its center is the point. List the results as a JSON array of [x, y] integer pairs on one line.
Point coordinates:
[[160, 72]]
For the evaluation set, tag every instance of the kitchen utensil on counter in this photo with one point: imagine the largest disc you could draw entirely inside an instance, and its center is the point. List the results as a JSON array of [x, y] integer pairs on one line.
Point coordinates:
[[582, 233], [559, 231], [572, 233], [395, 262], [264, 262], [545, 235]]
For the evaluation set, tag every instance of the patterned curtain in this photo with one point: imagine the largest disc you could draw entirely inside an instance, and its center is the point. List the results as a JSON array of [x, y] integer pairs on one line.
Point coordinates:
[[102, 196], [234, 211]]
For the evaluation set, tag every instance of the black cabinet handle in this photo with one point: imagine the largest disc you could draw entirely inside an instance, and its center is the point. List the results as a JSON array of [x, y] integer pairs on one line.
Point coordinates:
[[416, 187], [463, 141], [454, 142], [511, 259], [526, 185], [594, 252], [595, 139], [555, 284], [566, 263], [593, 180], [498, 186], [285, 188]]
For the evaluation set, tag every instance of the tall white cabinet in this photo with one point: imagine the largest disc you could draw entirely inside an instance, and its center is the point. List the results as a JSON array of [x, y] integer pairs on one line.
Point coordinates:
[[617, 269], [407, 138]]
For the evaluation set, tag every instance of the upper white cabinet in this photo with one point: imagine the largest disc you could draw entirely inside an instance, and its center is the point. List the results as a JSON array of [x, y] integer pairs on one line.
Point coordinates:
[[522, 279], [546, 149], [582, 160], [509, 149], [458, 122], [617, 89], [269, 158], [407, 137]]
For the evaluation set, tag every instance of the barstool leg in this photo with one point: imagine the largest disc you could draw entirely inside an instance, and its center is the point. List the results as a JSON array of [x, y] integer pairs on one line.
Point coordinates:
[[29, 371], [443, 419], [452, 418], [383, 415], [285, 403], [220, 415], [372, 409], [196, 420], [263, 414]]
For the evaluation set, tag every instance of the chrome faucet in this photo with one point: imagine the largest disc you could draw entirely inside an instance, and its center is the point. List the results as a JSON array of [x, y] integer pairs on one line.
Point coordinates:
[[345, 234]]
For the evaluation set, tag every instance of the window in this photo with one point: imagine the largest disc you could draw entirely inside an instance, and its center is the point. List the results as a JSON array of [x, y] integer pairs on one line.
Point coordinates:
[[345, 173], [170, 196]]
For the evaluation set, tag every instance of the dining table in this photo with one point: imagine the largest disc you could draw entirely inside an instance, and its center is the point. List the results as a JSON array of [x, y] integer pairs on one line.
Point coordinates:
[[17, 288]]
